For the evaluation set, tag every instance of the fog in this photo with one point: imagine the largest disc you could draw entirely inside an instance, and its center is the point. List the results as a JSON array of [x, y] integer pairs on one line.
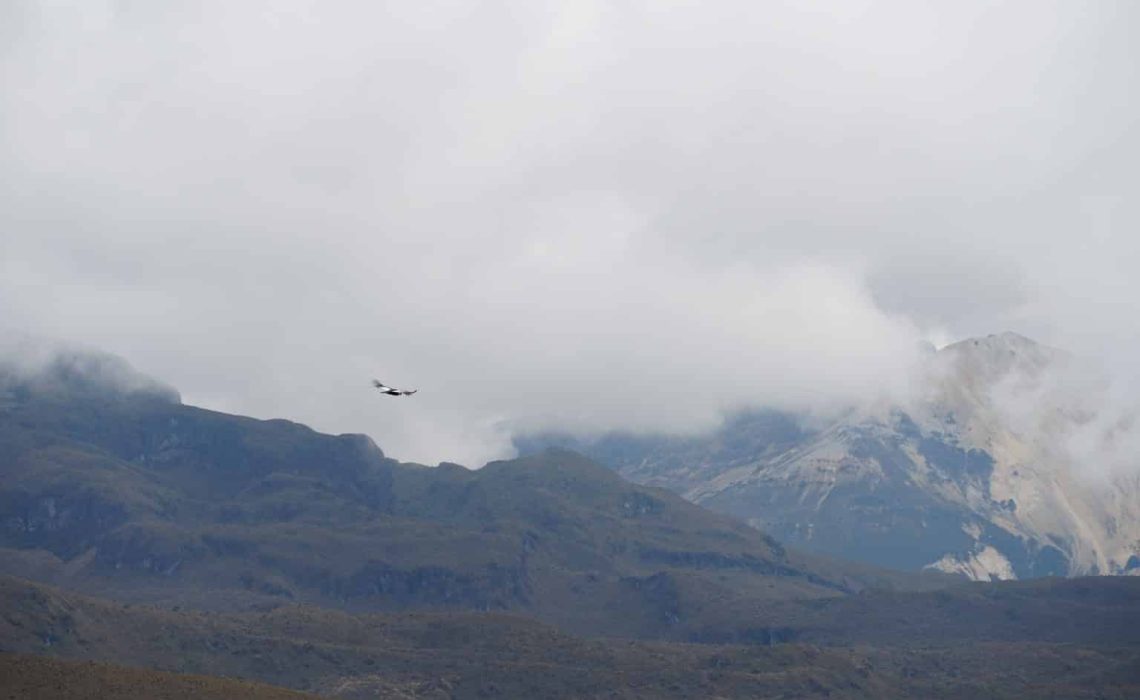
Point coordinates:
[[574, 215]]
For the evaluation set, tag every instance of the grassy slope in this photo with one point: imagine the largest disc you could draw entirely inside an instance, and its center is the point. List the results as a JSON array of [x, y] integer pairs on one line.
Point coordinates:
[[40, 678], [464, 654]]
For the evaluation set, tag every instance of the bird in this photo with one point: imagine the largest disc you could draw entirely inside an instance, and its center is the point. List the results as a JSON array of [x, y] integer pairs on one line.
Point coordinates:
[[384, 388]]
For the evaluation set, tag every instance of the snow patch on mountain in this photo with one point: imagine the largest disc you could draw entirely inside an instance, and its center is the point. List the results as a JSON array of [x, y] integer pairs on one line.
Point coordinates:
[[988, 564]]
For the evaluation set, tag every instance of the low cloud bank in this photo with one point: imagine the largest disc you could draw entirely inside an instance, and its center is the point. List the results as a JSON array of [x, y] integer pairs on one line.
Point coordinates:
[[583, 216]]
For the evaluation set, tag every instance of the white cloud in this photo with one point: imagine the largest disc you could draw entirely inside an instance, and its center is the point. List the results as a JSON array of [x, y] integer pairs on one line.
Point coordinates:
[[587, 214]]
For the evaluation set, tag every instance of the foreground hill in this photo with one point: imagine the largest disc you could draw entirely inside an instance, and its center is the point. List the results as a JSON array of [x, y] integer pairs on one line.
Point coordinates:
[[40, 678], [473, 655], [996, 468], [110, 485]]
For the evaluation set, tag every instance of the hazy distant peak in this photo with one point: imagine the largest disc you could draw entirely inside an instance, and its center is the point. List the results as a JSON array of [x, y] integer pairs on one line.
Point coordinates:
[[992, 357], [50, 368], [1007, 340]]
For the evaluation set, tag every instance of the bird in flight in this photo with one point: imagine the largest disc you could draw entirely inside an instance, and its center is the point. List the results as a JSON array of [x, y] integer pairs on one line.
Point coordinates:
[[390, 391]]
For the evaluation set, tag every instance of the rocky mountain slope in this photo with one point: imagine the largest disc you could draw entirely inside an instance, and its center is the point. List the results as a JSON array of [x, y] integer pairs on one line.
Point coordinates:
[[984, 471]]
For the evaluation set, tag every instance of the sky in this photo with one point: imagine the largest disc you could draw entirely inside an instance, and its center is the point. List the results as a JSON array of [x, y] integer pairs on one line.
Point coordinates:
[[582, 216]]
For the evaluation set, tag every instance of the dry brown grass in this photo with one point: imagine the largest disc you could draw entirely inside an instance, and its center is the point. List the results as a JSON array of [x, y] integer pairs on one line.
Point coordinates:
[[35, 677]]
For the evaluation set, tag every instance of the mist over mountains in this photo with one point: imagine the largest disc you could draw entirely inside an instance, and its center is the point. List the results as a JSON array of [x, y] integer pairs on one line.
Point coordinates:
[[1004, 461], [549, 217], [33, 366]]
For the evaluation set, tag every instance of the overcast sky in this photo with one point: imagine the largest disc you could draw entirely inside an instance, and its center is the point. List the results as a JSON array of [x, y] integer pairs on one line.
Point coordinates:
[[578, 214]]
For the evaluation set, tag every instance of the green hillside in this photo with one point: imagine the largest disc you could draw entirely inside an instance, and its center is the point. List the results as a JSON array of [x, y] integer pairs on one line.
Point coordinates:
[[479, 655]]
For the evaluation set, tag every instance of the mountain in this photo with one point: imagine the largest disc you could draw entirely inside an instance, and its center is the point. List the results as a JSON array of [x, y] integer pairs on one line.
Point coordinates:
[[111, 486], [981, 472], [158, 539]]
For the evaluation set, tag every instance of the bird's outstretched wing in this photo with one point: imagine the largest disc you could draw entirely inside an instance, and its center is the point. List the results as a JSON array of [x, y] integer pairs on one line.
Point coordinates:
[[384, 388]]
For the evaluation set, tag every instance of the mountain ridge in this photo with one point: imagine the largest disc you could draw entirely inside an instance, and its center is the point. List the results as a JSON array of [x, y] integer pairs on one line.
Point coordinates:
[[131, 496]]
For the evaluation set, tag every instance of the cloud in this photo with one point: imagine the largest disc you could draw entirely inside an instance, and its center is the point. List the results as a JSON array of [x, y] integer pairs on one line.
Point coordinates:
[[590, 215], [46, 367]]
